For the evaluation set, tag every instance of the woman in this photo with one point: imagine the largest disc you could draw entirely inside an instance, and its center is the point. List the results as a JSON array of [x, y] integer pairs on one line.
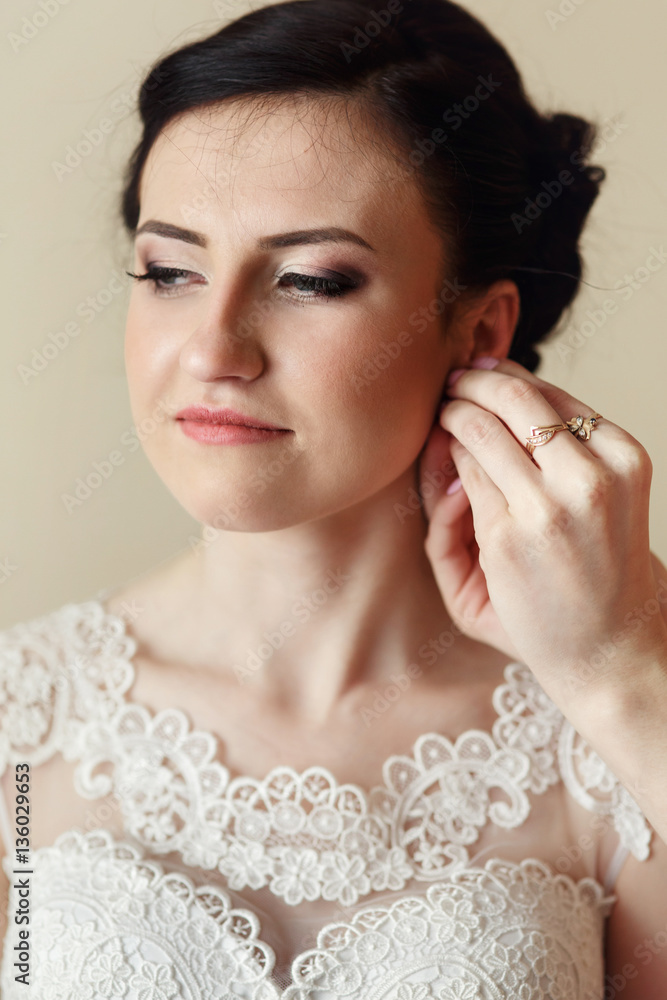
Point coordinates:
[[345, 745]]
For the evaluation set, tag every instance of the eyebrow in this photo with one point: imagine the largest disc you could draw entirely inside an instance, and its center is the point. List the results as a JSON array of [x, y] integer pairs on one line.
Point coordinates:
[[330, 234]]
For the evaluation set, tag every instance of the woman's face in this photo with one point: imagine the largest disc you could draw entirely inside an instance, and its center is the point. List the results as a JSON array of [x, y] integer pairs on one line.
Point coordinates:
[[353, 380]]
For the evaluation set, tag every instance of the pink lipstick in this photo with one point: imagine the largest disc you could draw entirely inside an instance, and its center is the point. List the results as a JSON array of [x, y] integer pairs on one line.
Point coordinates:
[[225, 426]]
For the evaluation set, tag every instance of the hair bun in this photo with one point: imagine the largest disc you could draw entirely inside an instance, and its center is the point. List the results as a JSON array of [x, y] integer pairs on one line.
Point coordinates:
[[560, 164], [569, 142], [566, 143]]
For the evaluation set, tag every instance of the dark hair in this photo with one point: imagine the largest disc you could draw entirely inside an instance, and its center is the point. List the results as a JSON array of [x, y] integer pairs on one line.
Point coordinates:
[[492, 170]]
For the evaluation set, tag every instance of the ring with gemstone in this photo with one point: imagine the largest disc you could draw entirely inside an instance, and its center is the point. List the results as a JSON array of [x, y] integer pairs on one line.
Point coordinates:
[[580, 426], [540, 435]]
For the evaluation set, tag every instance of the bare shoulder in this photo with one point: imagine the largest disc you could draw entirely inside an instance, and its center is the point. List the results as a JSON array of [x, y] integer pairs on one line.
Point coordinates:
[[148, 603]]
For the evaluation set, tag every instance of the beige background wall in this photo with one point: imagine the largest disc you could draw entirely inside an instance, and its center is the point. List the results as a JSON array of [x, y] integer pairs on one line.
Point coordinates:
[[60, 245]]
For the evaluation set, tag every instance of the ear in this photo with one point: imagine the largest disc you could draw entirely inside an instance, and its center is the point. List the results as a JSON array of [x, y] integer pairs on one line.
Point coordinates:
[[489, 325]]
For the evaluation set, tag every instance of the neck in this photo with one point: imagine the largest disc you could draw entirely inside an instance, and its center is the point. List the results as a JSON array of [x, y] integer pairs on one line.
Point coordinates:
[[307, 613]]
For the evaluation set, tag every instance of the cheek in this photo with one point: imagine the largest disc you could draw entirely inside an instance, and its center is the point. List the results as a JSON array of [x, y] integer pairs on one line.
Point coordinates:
[[375, 402], [149, 357]]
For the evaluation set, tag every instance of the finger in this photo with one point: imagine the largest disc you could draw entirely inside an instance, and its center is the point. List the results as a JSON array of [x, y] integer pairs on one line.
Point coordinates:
[[487, 500], [451, 547], [454, 554], [503, 470], [600, 445], [523, 401]]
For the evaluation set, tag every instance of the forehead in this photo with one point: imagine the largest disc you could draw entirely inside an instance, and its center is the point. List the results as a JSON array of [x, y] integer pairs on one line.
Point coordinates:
[[281, 159]]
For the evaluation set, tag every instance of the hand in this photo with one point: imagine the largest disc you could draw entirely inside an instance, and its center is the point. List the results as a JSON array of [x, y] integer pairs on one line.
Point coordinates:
[[546, 557]]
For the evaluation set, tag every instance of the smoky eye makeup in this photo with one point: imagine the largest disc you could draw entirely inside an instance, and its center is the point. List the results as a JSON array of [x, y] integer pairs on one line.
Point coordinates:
[[168, 281], [301, 282]]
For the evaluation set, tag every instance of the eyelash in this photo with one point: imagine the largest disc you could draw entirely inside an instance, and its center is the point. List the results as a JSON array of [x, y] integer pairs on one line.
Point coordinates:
[[325, 288]]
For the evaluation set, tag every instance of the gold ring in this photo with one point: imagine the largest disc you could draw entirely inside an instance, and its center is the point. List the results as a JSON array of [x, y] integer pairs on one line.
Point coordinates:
[[582, 426], [579, 426], [540, 435]]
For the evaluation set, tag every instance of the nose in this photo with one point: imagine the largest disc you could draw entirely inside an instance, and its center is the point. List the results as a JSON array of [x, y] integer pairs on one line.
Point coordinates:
[[227, 341]]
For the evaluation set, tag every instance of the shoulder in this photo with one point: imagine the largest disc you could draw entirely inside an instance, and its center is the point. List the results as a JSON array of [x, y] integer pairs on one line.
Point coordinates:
[[54, 670]]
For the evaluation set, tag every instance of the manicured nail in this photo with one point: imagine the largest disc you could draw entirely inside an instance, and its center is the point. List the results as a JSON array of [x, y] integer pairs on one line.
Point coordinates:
[[454, 375], [455, 486], [485, 361]]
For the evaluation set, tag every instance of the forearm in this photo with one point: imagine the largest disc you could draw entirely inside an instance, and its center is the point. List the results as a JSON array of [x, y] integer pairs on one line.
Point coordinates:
[[627, 726]]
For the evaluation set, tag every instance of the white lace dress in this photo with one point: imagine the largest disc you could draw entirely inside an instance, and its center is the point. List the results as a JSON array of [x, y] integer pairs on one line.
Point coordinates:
[[385, 878]]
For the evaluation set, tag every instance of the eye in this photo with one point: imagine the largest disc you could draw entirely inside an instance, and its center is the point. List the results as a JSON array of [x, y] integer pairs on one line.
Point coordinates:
[[165, 279], [320, 288], [168, 280]]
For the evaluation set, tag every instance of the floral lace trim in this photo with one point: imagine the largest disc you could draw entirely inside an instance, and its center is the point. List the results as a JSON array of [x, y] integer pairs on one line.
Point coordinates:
[[590, 781], [109, 922], [302, 834], [510, 930], [56, 673]]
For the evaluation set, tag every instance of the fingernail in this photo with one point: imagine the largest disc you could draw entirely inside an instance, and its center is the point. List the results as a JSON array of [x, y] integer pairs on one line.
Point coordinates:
[[454, 375], [485, 361], [455, 486]]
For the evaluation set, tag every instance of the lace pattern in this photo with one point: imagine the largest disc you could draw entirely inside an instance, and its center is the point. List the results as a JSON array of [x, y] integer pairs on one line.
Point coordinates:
[[56, 673], [590, 781], [109, 922], [304, 835]]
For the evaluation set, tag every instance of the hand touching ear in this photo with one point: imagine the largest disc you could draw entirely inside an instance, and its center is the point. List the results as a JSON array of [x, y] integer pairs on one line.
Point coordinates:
[[544, 557]]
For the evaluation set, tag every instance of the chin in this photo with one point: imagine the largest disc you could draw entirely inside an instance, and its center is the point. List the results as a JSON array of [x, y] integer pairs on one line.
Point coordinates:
[[242, 510]]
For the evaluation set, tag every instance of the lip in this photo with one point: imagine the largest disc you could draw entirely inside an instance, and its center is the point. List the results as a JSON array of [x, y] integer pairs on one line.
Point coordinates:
[[204, 415], [208, 433]]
